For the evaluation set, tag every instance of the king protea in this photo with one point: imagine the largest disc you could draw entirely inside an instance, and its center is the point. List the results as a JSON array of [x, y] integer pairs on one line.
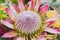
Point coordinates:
[[29, 21]]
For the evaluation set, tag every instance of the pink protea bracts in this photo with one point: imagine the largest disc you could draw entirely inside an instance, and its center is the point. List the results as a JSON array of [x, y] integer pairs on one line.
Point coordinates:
[[28, 22]]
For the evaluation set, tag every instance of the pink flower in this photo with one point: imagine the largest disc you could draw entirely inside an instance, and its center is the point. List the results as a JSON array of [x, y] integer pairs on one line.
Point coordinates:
[[29, 23]]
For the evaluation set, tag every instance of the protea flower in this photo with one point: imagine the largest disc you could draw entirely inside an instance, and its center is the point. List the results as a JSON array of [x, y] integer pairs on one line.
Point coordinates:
[[29, 22]]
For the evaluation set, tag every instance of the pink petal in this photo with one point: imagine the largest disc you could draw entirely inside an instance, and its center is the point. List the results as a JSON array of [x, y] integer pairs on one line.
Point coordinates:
[[6, 23], [41, 9], [21, 5], [20, 38], [46, 8], [58, 30], [58, 15], [10, 34], [31, 5], [10, 21], [42, 38], [16, 8], [12, 8], [52, 19], [44, 33], [51, 30], [10, 13], [50, 23], [26, 7], [37, 4]]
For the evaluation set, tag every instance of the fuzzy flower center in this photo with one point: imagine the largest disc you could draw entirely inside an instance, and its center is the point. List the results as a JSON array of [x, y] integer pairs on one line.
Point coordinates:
[[28, 21]]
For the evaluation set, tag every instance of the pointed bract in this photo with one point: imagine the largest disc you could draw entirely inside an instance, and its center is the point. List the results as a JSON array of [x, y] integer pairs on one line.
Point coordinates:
[[51, 30], [41, 9], [10, 34], [16, 8], [26, 7], [37, 4], [32, 5], [12, 8], [6, 23], [10, 13], [10, 21], [46, 8], [21, 5]]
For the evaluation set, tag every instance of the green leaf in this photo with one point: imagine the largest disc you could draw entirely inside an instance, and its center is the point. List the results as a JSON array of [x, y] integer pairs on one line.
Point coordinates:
[[1, 11], [0, 38], [2, 1], [14, 1], [3, 15], [58, 37]]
